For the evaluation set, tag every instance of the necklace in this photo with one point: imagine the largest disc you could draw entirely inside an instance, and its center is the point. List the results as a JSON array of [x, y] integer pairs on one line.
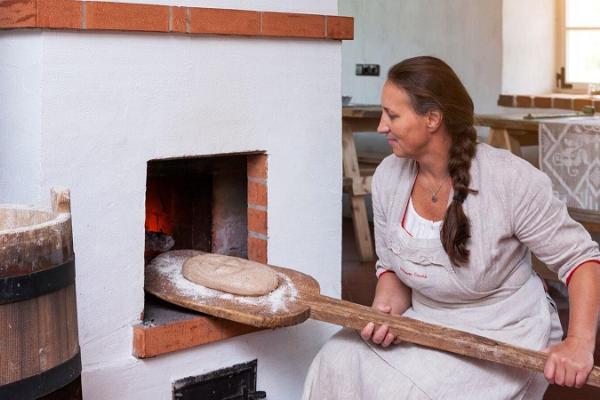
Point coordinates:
[[434, 197]]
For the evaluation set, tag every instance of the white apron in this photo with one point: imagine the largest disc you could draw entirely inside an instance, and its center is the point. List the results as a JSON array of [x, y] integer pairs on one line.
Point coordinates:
[[521, 315]]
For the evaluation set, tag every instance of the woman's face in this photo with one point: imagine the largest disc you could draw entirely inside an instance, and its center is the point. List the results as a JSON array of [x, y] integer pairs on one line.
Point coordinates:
[[406, 131]]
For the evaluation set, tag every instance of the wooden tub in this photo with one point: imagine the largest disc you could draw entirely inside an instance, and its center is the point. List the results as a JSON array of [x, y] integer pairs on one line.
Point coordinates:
[[39, 348]]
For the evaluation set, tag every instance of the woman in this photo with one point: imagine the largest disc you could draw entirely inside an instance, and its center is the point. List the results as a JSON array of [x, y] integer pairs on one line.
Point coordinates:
[[455, 222]]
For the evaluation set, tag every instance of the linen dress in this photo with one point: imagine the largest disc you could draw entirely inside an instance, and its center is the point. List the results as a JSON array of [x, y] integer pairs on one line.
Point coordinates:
[[496, 295]]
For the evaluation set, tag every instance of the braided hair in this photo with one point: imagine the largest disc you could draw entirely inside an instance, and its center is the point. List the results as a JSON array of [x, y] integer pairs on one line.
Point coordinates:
[[432, 85]]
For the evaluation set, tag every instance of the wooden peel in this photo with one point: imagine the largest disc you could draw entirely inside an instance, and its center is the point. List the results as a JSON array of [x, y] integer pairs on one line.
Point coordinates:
[[278, 309], [356, 316], [308, 302]]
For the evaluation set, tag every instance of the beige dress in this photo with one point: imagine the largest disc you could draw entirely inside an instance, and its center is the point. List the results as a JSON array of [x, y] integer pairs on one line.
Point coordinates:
[[496, 295]]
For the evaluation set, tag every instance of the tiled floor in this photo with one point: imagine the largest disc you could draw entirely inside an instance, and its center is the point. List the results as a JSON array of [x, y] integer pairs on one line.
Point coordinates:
[[358, 285]]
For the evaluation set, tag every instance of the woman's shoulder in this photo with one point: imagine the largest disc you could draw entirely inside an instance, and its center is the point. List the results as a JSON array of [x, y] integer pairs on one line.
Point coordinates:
[[501, 167], [391, 172], [501, 161]]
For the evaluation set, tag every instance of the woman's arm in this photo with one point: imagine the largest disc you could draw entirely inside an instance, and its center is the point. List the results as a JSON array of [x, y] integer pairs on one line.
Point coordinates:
[[391, 297], [570, 361], [541, 222]]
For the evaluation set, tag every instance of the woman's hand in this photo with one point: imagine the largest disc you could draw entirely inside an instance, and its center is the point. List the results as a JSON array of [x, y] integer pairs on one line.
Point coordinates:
[[569, 362], [381, 335], [391, 297]]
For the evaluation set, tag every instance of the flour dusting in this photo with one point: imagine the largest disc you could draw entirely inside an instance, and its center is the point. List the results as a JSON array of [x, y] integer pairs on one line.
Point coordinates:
[[169, 264]]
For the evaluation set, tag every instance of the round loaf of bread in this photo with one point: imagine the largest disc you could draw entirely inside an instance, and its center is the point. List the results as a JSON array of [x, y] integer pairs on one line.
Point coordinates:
[[230, 274]]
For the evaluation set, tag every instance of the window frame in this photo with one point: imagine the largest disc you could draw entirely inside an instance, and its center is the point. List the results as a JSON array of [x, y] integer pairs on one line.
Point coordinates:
[[561, 49]]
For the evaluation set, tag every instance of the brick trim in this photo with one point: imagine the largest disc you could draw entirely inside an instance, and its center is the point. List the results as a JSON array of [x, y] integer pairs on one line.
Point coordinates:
[[153, 340], [94, 15], [560, 101], [257, 167]]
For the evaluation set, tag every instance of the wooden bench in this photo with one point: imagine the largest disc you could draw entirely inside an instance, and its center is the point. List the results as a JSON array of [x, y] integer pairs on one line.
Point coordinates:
[[358, 172]]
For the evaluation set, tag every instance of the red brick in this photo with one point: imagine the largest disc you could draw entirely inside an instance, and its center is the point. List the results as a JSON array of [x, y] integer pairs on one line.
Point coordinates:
[[257, 249], [597, 105], [127, 17], [578, 104], [340, 28], [224, 22], [257, 193], [257, 166], [178, 19], [231, 329], [563, 103], [293, 25], [506, 100], [542, 102], [154, 340], [257, 221], [524, 101], [60, 14], [18, 14], [68, 14]]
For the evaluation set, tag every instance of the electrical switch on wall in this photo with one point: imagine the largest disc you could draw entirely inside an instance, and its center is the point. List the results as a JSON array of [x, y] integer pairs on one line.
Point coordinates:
[[367, 69]]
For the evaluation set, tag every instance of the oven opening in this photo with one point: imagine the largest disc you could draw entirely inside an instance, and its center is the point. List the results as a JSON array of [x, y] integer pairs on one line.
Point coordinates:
[[196, 203]]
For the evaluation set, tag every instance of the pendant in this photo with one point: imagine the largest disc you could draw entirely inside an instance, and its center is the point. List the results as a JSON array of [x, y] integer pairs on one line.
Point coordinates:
[[434, 198]]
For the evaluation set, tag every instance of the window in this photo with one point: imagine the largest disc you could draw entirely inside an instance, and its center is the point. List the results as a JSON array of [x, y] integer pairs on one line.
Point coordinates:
[[579, 42]]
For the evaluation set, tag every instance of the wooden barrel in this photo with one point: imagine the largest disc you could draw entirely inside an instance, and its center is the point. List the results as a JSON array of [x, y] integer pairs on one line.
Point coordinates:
[[39, 348]]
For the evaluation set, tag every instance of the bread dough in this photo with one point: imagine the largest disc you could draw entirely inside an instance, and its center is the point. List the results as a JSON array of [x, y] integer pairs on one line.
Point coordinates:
[[230, 274]]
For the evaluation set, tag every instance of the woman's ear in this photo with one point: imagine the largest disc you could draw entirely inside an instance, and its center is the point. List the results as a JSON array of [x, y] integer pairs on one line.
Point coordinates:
[[434, 119]]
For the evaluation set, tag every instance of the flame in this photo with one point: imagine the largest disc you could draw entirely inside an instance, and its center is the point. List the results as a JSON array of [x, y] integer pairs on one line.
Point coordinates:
[[158, 206]]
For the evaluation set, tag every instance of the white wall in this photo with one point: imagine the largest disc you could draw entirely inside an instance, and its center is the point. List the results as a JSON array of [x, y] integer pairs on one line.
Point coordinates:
[[467, 34], [20, 117], [109, 102], [529, 41]]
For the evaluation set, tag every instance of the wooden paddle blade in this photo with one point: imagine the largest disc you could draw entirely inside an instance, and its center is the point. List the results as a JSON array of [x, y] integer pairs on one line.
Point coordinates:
[[163, 278], [355, 316]]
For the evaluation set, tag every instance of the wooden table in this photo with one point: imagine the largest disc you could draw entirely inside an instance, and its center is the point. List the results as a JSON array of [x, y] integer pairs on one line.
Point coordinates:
[[511, 131]]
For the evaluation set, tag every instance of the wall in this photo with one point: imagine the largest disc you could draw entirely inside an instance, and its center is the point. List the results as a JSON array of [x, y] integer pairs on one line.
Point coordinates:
[[109, 102], [20, 117], [528, 47], [467, 34]]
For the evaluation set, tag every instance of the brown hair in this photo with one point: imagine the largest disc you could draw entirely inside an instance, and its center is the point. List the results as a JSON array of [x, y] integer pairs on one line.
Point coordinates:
[[431, 84]]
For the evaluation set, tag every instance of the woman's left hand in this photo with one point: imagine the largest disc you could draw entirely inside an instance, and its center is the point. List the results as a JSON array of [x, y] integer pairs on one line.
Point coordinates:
[[569, 362]]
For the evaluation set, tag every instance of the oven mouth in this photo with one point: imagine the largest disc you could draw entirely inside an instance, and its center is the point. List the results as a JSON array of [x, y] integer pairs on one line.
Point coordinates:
[[215, 204]]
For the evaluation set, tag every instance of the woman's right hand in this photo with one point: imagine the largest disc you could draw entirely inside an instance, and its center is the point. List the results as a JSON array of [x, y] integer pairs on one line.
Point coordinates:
[[391, 297]]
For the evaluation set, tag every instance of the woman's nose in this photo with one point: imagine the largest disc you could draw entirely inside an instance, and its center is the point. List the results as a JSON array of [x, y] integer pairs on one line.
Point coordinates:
[[383, 127]]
